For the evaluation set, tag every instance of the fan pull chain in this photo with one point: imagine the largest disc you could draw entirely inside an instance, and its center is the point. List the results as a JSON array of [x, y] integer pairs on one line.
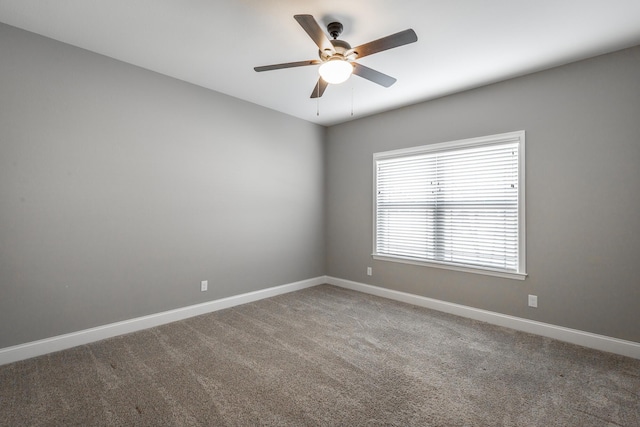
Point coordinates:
[[318, 99], [352, 99]]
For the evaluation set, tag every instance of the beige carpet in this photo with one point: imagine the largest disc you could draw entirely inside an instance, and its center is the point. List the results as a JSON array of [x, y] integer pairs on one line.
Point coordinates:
[[323, 356]]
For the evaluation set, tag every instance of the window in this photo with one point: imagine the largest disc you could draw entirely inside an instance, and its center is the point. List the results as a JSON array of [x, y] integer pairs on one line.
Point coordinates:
[[457, 205]]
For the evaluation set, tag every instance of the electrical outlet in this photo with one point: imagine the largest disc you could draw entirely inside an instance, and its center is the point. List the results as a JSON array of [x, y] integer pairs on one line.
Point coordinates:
[[369, 271], [533, 301], [204, 285]]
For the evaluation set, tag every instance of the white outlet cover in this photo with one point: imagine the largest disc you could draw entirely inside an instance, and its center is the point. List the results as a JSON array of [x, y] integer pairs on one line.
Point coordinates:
[[533, 301], [204, 285]]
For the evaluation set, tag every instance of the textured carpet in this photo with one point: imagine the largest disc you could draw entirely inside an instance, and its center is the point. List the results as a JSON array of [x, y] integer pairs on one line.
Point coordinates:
[[324, 356]]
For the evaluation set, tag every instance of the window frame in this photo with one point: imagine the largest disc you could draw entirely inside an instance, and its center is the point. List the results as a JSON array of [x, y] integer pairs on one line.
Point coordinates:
[[510, 137]]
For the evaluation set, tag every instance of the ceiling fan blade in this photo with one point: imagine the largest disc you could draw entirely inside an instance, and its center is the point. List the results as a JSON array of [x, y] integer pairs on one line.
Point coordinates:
[[287, 65], [389, 42], [372, 75], [309, 24], [321, 86]]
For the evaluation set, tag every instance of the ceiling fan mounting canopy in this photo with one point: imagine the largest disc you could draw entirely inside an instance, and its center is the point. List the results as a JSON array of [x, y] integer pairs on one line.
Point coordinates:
[[335, 29], [339, 54]]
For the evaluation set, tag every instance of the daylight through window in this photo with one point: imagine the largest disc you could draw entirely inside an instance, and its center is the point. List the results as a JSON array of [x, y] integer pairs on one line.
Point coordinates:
[[454, 205]]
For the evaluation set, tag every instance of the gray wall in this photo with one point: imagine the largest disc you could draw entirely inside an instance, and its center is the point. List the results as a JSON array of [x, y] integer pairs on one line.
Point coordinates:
[[121, 189], [582, 124]]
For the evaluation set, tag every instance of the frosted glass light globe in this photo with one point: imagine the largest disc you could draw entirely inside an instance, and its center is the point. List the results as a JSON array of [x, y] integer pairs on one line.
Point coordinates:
[[335, 71]]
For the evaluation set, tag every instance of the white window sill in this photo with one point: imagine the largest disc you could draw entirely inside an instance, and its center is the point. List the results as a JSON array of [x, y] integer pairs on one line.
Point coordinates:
[[466, 269]]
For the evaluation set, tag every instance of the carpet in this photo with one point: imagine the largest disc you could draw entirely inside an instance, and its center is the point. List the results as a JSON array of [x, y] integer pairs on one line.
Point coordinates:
[[323, 356]]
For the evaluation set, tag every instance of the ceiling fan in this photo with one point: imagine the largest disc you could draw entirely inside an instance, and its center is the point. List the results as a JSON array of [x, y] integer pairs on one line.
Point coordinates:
[[337, 57]]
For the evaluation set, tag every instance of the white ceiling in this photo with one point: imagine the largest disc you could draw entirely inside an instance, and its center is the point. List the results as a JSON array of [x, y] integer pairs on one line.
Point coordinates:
[[216, 43]]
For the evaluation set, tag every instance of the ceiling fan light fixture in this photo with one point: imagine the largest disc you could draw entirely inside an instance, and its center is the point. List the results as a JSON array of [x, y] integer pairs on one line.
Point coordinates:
[[335, 71]]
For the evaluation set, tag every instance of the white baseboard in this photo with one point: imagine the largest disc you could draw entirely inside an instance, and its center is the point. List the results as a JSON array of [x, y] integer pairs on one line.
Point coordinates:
[[62, 342], [574, 336]]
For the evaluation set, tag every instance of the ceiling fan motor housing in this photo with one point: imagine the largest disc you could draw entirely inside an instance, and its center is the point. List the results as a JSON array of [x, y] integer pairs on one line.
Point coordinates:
[[340, 49]]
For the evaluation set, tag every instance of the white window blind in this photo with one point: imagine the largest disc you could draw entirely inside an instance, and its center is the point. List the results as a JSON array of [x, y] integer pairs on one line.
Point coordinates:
[[456, 203]]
